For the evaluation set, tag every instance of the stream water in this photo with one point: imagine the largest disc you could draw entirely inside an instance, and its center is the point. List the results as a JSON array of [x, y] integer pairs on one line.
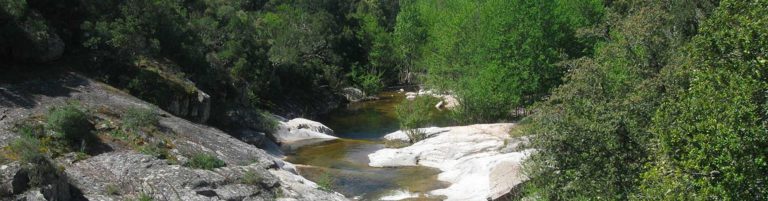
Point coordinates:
[[343, 163]]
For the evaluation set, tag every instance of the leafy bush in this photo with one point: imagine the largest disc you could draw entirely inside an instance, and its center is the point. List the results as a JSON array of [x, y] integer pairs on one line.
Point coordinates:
[[205, 161], [136, 118], [711, 131], [370, 83], [415, 114], [70, 122], [267, 122]]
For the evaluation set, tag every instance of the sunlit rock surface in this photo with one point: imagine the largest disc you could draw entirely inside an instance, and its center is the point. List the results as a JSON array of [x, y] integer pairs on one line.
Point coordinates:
[[480, 161]]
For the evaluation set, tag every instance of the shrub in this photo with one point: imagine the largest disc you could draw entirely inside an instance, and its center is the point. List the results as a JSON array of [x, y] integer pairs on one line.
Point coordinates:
[[157, 150], [205, 161], [370, 83], [415, 114], [136, 118], [251, 178], [70, 122], [267, 122], [26, 149]]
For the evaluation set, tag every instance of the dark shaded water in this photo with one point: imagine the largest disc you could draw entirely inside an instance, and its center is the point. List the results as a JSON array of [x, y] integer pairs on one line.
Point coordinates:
[[361, 125]]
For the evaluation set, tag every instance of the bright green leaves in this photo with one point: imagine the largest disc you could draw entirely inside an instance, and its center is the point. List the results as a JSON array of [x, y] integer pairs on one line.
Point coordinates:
[[713, 132], [594, 132], [495, 55], [712, 138]]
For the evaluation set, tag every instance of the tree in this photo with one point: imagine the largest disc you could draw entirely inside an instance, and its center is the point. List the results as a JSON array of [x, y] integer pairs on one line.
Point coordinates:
[[594, 131], [712, 129]]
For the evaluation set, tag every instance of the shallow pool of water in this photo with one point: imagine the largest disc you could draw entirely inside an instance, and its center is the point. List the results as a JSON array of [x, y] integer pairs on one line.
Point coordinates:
[[344, 162]]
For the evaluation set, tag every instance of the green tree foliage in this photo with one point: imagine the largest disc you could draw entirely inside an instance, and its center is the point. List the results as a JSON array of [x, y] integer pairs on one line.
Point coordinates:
[[495, 55], [413, 115], [251, 53], [593, 130], [712, 129]]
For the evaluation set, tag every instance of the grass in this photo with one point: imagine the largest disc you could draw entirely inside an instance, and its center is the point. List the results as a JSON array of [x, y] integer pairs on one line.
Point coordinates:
[[29, 151], [70, 123], [156, 150], [251, 178], [325, 182], [135, 123], [137, 118], [520, 129], [26, 149], [415, 114], [205, 162], [145, 197], [396, 143], [112, 189]]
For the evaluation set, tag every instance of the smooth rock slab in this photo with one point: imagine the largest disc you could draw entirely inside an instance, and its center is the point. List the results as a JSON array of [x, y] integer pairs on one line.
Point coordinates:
[[471, 158]]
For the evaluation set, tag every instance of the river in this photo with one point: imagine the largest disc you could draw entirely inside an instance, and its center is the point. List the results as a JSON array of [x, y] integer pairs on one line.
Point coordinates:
[[343, 163]]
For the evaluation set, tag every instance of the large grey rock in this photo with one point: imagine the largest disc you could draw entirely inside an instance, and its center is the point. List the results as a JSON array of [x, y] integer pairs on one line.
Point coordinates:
[[353, 94], [301, 123], [132, 173], [195, 106]]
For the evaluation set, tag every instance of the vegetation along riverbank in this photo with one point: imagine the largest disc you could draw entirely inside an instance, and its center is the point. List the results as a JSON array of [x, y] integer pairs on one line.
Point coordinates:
[[383, 100]]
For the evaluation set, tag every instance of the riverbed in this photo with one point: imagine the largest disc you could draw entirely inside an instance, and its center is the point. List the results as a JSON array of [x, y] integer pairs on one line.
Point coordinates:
[[342, 164]]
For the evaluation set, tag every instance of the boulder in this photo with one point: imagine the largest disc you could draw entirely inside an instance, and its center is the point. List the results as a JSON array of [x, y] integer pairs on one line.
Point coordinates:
[[195, 106], [301, 123], [14, 179], [252, 137], [300, 129], [470, 158], [353, 94]]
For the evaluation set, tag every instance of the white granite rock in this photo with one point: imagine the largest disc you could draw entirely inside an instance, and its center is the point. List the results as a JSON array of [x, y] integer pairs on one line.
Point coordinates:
[[470, 158], [300, 129]]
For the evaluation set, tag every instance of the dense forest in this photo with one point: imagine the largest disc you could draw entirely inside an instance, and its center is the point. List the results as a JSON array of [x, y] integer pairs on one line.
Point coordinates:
[[628, 99]]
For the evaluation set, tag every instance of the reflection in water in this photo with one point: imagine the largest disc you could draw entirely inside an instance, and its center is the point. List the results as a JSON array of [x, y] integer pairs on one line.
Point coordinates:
[[346, 160]]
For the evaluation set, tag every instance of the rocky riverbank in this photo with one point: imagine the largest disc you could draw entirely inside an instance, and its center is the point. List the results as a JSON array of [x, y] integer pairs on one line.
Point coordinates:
[[480, 161], [116, 171]]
